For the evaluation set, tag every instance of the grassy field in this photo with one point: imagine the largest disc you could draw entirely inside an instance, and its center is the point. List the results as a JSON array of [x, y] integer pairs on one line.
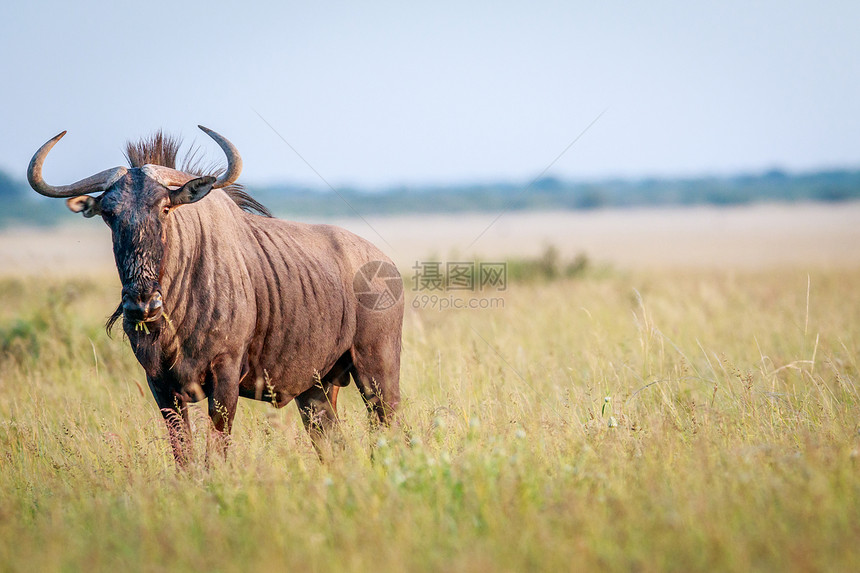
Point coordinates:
[[692, 420]]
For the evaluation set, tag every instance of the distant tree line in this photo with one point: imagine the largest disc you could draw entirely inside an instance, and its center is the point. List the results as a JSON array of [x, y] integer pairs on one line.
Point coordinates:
[[551, 193], [22, 206], [10, 188]]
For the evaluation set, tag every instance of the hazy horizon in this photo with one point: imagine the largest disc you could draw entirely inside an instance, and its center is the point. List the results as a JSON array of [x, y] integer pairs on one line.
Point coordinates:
[[384, 94]]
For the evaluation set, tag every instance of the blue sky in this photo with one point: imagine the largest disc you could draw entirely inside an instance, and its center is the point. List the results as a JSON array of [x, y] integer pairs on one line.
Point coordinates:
[[385, 93]]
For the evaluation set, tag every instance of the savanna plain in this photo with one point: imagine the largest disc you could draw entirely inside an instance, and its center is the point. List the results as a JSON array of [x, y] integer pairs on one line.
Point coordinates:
[[648, 413]]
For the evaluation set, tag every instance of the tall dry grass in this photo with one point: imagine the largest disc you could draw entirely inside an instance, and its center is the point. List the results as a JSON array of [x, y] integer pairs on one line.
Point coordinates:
[[672, 421]]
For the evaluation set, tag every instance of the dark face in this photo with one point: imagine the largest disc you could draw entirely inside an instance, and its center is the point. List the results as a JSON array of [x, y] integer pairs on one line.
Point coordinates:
[[137, 208]]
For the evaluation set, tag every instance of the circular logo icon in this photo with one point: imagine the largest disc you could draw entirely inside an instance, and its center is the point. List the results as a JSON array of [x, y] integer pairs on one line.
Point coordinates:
[[377, 285]]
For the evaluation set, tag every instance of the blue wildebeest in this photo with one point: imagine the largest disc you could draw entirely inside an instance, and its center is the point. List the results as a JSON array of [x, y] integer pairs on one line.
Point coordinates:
[[221, 300]]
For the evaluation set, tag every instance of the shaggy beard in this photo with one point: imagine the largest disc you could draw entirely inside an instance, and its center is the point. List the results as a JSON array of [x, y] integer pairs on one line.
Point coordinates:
[[146, 345]]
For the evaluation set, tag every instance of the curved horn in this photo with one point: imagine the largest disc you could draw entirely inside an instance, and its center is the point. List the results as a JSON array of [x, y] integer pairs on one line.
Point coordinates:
[[93, 184], [234, 160], [167, 176]]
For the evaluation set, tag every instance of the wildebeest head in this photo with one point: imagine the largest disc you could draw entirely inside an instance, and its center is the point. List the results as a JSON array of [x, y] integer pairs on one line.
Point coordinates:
[[136, 203], [136, 207]]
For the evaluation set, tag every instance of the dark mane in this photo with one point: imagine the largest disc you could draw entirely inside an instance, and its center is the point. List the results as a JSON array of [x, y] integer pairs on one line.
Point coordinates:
[[161, 149], [157, 149]]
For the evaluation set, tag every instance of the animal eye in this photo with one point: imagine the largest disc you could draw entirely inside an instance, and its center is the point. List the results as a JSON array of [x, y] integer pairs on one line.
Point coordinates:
[[165, 210]]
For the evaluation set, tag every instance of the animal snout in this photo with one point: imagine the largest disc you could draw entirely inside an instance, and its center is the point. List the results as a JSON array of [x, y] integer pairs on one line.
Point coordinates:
[[142, 308]]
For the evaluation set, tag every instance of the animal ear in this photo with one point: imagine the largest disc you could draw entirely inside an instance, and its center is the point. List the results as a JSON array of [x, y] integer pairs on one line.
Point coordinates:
[[84, 204], [192, 191]]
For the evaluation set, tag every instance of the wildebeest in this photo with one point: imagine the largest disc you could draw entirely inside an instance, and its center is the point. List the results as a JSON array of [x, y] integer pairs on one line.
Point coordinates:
[[221, 300]]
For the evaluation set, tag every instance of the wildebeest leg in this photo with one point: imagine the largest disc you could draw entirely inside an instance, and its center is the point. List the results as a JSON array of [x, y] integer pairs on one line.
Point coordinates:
[[223, 399], [174, 408], [337, 377], [332, 398], [317, 407], [377, 375]]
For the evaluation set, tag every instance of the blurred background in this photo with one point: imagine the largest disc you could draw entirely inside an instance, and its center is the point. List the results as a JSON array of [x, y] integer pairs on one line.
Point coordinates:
[[636, 134]]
